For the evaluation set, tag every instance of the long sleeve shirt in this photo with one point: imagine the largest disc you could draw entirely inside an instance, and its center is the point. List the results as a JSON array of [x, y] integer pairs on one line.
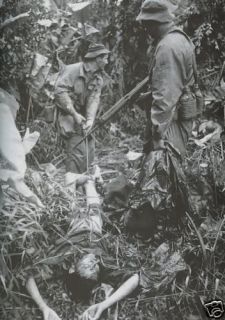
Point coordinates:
[[172, 70], [80, 89]]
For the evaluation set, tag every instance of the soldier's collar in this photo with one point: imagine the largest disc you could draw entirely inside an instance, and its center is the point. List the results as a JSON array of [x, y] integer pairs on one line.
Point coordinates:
[[82, 70], [170, 28], [88, 68]]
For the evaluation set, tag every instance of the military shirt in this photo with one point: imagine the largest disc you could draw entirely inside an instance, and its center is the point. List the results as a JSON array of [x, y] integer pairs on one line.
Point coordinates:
[[172, 70], [79, 88]]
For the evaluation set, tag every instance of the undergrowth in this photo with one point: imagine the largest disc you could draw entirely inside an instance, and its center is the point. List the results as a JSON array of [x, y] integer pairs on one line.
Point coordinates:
[[26, 234]]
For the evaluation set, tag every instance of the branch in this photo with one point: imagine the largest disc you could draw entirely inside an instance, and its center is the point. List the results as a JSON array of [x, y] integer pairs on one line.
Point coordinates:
[[13, 19]]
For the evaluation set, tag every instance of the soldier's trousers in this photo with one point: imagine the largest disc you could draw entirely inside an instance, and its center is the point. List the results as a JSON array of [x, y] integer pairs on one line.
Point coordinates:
[[79, 158]]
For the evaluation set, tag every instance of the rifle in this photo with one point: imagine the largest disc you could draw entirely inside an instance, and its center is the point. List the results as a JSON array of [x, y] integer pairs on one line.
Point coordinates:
[[115, 108]]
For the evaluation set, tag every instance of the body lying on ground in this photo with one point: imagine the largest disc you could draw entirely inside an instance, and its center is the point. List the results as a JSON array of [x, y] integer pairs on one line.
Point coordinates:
[[84, 252], [153, 278]]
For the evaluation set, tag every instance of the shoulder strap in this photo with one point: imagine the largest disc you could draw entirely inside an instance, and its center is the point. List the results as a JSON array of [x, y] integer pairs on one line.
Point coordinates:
[[194, 64], [176, 29], [151, 64]]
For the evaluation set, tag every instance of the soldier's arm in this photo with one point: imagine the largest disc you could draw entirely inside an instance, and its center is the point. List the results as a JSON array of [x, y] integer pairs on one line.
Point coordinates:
[[167, 85], [92, 102], [65, 103], [92, 105], [63, 86]]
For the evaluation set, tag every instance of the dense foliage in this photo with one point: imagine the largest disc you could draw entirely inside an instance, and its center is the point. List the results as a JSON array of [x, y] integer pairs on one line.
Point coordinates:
[[24, 230], [19, 40], [205, 23]]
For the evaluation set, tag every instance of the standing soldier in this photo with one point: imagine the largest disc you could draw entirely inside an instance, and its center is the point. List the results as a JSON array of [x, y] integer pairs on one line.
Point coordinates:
[[172, 71], [77, 93], [171, 107]]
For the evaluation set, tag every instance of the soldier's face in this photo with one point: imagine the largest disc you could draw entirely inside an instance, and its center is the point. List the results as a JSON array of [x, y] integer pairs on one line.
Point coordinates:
[[102, 61], [152, 28]]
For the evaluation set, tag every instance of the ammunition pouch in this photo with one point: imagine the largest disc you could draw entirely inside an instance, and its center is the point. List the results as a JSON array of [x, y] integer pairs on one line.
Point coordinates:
[[187, 108], [191, 102]]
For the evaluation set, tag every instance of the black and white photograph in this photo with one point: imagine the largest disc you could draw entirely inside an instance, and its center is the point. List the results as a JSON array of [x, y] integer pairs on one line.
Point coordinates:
[[112, 159]]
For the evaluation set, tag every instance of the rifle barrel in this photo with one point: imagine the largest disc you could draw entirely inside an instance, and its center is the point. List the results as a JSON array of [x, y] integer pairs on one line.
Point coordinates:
[[123, 100]]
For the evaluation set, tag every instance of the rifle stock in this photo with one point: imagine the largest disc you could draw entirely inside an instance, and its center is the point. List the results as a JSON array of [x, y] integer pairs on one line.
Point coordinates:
[[115, 108]]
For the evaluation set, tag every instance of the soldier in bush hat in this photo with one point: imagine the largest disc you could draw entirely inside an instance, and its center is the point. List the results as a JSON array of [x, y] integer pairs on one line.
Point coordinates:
[[157, 10], [96, 50], [171, 70], [172, 73], [77, 95]]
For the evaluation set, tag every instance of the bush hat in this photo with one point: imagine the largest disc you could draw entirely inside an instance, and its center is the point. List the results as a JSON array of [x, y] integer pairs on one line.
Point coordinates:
[[157, 10], [96, 50]]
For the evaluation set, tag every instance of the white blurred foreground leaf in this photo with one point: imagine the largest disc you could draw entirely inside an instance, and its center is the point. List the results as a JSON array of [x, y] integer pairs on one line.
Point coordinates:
[[29, 140], [13, 150], [132, 156]]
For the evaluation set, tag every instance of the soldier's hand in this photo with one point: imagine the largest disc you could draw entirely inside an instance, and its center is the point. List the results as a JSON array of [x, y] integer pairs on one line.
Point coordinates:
[[88, 125], [79, 119]]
